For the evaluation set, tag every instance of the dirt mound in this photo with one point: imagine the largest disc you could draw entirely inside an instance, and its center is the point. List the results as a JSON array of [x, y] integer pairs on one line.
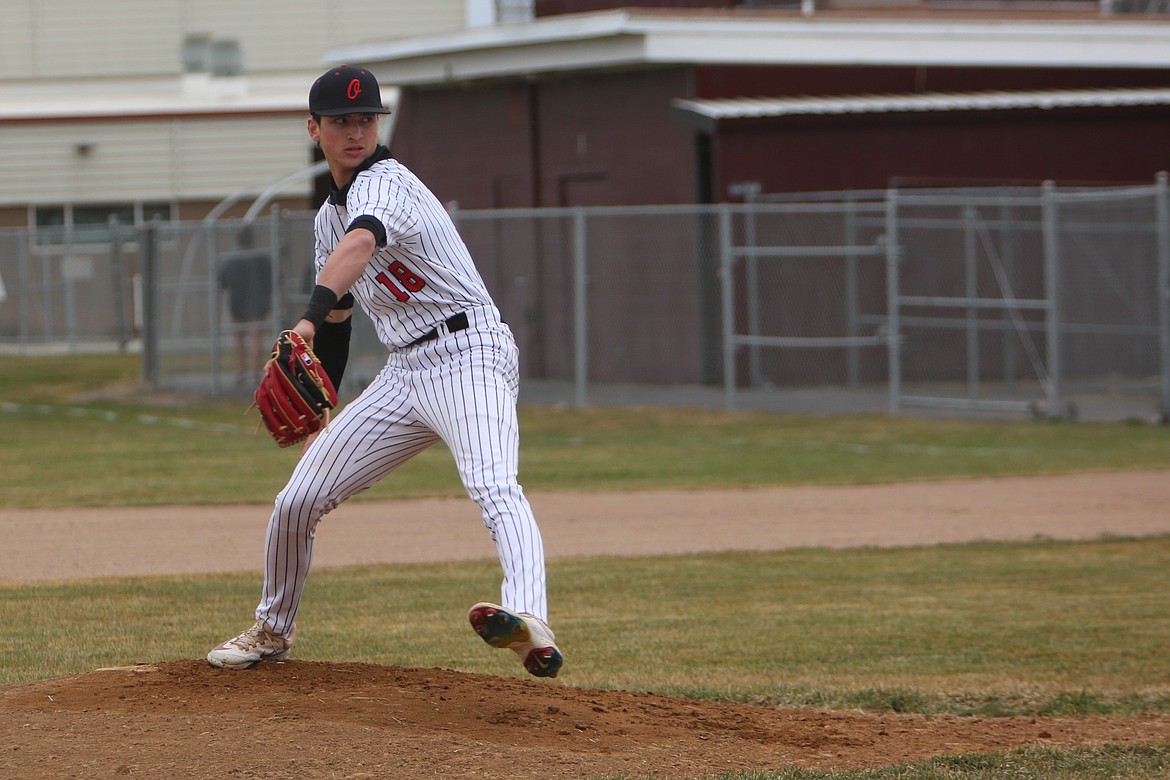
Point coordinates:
[[307, 719]]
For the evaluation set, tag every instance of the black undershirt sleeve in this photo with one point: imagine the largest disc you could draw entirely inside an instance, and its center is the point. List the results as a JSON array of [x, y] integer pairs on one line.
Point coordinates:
[[371, 224], [331, 345]]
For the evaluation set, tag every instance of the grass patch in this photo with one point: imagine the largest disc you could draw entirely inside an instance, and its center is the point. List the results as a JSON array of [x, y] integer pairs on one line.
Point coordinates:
[[1003, 629], [1132, 762], [83, 417]]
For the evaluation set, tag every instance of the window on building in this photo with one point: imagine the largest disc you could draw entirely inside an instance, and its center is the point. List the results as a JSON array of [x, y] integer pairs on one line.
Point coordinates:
[[82, 223]]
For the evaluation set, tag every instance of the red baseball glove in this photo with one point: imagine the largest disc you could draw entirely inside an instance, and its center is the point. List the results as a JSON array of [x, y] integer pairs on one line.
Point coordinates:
[[295, 394]]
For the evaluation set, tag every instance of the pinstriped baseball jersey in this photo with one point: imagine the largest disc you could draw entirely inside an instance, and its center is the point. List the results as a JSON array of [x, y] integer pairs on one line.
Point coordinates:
[[422, 273]]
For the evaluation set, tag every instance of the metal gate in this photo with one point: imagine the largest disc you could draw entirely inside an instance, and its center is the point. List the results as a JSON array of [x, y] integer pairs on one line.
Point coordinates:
[[1040, 301], [831, 253]]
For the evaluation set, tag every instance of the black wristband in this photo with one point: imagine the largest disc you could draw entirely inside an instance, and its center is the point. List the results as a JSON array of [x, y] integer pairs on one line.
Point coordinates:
[[321, 302]]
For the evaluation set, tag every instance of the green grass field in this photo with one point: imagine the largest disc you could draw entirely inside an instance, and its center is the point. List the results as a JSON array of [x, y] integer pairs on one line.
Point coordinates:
[[976, 629], [82, 418]]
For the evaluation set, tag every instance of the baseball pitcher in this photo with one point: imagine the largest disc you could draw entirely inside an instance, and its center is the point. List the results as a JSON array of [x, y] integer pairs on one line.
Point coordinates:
[[385, 242]]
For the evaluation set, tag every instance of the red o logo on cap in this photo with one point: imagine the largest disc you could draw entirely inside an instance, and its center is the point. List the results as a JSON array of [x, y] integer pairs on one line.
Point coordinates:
[[355, 89]]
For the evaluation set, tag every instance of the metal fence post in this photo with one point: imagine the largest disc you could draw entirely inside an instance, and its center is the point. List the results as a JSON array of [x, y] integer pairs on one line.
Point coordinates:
[[1162, 218], [214, 316], [68, 286], [275, 233], [580, 317], [148, 257], [118, 280], [1008, 336], [893, 322], [24, 286], [1052, 289], [727, 282], [752, 289], [750, 192], [852, 294], [971, 291], [47, 307]]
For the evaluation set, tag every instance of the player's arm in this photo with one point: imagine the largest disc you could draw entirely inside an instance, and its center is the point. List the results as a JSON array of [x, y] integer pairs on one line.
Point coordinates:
[[348, 260], [343, 268], [327, 323]]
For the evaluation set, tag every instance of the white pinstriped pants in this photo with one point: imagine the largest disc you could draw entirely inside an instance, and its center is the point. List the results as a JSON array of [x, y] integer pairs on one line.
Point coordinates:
[[460, 388]]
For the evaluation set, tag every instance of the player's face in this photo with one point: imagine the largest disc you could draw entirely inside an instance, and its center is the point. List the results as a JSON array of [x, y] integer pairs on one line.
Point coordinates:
[[345, 140]]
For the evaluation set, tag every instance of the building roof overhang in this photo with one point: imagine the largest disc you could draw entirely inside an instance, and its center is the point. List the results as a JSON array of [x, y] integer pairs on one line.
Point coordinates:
[[631, 38], [705, 115]]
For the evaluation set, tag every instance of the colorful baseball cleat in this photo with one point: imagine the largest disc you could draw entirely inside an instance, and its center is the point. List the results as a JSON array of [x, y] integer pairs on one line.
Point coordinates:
[[525, 635], [251, 647]]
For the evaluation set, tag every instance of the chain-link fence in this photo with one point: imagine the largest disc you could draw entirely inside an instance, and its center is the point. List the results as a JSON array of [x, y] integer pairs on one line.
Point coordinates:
[[1021, 301], [1048, 301]]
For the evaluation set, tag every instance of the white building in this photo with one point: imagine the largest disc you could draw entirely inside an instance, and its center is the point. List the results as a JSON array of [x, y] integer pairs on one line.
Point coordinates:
[[173, 107]]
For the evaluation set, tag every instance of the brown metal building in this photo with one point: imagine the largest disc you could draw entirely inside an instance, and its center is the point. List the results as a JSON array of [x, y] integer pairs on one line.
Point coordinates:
[[625, 106], [678, 106]]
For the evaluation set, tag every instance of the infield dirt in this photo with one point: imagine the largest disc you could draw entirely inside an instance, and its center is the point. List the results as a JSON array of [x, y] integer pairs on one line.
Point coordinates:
[[322, 720]]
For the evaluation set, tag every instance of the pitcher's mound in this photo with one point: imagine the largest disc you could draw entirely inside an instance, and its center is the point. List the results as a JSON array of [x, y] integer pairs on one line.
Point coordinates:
[[309, 719]]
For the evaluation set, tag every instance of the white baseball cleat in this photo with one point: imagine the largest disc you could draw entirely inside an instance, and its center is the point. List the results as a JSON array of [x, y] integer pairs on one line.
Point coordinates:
[[525, 635], [251, 647]]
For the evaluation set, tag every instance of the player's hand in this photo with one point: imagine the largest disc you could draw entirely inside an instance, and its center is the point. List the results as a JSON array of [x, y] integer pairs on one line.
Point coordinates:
[[306, 330], [295, 393]]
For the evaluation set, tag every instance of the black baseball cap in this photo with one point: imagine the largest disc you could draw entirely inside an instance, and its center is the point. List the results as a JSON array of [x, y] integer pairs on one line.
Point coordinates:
[[346, 90]]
